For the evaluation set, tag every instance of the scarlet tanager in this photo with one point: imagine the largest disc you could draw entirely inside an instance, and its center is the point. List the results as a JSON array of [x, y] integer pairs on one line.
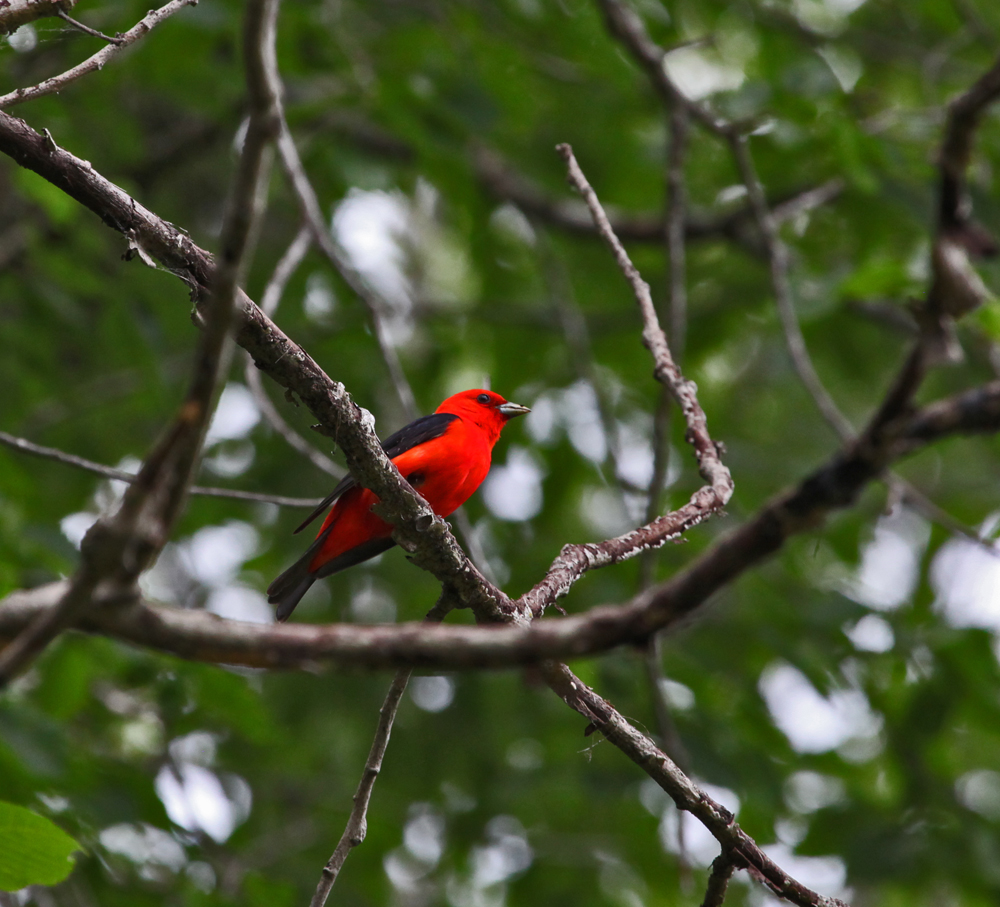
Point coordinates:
[[444, 456]]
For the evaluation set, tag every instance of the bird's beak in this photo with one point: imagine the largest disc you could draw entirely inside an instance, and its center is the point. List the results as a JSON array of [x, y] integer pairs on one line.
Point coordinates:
[[513, 409]]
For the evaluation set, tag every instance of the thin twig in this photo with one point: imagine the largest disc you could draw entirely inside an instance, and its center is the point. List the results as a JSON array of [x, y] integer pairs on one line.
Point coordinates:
[[313, 216], [357, 822], [777, 255], [284, 270], [581, 355], [120, 475], [270, 300], [87, 30], [98, 60], [675, 229]]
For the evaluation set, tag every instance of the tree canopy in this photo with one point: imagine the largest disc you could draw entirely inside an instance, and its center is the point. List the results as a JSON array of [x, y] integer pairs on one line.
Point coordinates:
[[770, 451]]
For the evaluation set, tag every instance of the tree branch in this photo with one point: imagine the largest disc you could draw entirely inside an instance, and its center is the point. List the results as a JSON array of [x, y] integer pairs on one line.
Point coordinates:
[[777, 257], [98, 60], [86, 29], [15, 13], [624, 23], [718, 881], [357, 823], [655, 763], [313, 216]]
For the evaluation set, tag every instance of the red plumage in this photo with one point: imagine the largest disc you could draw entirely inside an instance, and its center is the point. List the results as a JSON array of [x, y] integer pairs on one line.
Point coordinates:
[[444, 456]]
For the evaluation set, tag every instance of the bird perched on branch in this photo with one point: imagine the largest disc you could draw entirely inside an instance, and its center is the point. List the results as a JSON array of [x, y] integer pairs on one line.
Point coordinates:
[[444, 456]]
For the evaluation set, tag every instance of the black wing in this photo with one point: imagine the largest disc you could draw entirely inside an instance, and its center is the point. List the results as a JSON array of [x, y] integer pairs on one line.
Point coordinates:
[[426, 428]]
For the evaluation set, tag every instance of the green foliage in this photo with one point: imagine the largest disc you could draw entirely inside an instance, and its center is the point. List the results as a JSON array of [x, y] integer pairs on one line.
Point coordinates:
[[391, 103], [33, 849]]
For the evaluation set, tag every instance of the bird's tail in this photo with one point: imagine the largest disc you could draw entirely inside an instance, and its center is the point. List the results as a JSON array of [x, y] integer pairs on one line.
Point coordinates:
[[288, 588]]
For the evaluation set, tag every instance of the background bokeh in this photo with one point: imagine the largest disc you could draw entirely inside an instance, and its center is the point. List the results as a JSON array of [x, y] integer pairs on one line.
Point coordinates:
[[844, 698]]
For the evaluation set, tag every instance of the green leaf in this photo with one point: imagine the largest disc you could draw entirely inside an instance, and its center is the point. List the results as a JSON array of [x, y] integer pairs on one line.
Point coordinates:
[[33, 850]]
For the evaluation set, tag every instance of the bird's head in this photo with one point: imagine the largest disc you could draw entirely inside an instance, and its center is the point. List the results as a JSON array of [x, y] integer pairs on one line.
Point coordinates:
[[484, 408]]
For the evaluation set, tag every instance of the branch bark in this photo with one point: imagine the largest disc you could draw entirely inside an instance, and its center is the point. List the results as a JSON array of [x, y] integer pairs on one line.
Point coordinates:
[[15, 13]]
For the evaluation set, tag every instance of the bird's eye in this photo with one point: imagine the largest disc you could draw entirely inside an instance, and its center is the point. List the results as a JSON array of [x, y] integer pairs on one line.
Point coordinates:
[[483, 398]]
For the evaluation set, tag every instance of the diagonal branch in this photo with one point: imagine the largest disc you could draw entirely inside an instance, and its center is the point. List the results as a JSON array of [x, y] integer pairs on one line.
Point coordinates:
[[624, 23], [655, 763], [98, 60], [777, 256], [313, 216], [357, 823], [122, 545]]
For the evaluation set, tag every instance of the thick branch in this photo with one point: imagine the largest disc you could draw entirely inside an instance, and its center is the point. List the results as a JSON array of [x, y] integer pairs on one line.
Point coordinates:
[[15, 13]]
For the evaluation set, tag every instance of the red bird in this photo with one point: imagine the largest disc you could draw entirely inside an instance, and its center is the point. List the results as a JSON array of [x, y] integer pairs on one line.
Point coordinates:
[[444, 456]]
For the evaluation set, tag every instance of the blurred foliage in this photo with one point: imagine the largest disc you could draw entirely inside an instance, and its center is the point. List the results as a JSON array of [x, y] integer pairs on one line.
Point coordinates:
[[33, 849], [497, 797]]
